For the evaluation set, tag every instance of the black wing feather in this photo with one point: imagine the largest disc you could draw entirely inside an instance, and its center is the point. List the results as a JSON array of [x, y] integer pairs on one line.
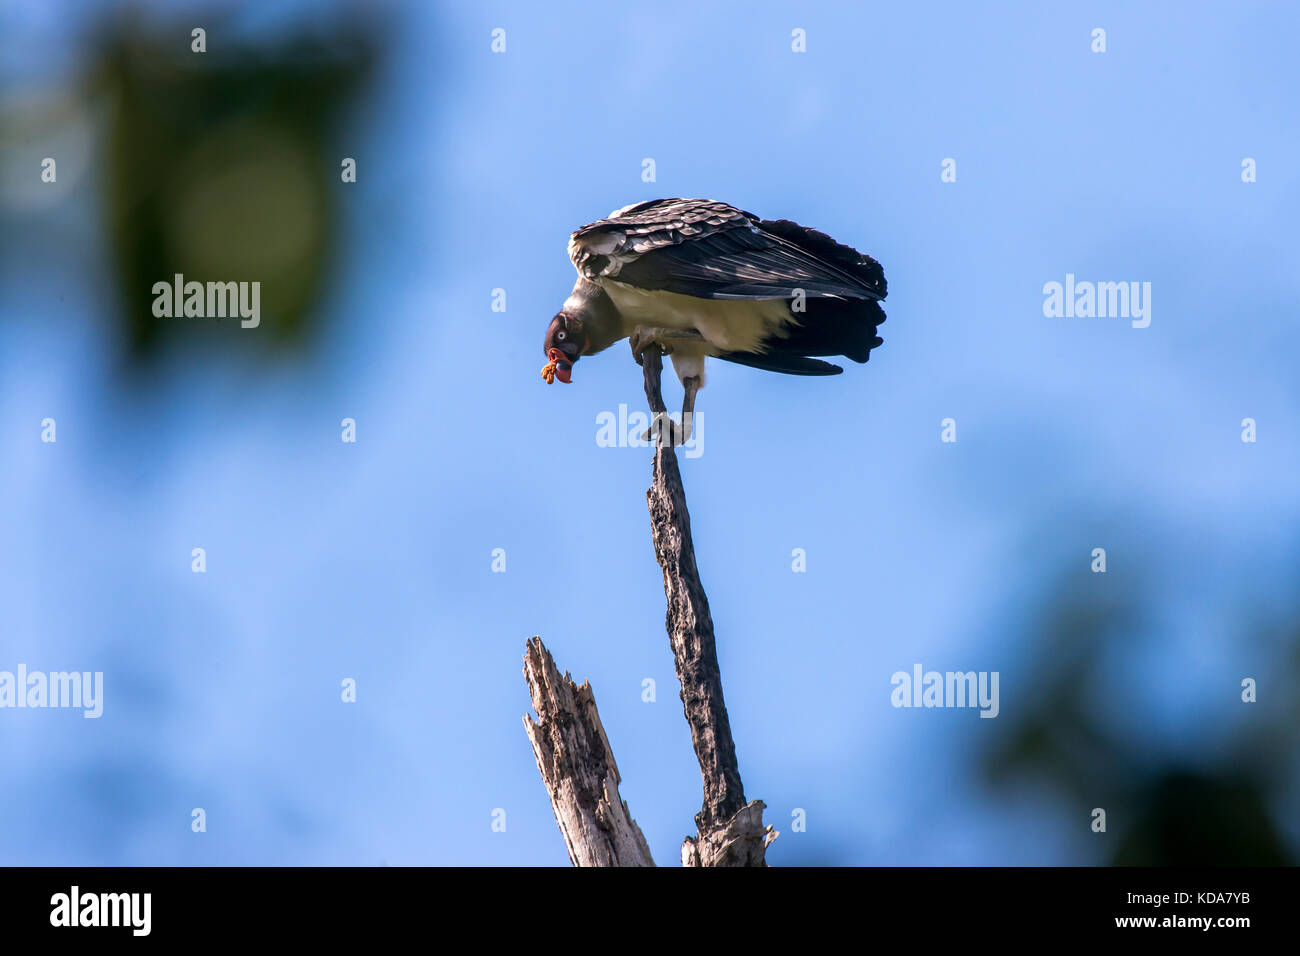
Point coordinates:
[[861, 266], [711, 250], [781, 362], [739, 264]]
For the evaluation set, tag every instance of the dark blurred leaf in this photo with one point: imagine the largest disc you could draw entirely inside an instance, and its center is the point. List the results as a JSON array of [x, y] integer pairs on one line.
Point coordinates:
[[219, 167], [1159, 812], [1188, 819]]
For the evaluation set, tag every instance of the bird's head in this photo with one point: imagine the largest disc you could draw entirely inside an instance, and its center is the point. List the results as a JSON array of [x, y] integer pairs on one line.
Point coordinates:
[[565, 341]]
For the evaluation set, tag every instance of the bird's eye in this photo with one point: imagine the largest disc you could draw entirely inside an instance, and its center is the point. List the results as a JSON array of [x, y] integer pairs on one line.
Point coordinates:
[[560, 335]]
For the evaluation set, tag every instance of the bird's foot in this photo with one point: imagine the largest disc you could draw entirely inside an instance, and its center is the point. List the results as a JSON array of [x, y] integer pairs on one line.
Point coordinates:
[[642, 339], [668, 432]]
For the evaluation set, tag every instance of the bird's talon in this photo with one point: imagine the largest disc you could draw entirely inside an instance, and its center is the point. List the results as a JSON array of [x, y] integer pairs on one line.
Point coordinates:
[[641, 341], [676, 434]]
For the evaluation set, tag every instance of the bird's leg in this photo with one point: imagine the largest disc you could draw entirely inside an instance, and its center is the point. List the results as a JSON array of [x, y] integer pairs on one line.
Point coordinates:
[[644, 336], [692, 385], [678, 435]]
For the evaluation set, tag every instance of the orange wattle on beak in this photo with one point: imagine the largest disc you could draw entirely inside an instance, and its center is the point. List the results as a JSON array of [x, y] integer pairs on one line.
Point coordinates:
[[558, 367]]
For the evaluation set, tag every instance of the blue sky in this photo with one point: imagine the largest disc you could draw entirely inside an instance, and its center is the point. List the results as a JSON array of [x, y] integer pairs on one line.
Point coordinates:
[[373, 560]]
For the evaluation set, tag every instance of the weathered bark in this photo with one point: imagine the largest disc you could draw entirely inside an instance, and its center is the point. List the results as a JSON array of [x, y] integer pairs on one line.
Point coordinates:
[[742, 841], [578, 767], [731, 831]]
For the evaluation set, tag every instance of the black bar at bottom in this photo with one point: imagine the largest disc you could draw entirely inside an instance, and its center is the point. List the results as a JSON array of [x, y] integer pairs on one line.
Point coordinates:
[[334, 905]]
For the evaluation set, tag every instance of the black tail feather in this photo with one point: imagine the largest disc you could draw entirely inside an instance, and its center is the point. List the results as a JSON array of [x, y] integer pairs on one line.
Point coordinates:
[[826, 327], [832, 327], [779, 362]]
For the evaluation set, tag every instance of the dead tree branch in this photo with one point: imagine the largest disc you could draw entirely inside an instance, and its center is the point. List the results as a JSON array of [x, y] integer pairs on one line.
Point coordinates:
[[731, 831], [578, 767]]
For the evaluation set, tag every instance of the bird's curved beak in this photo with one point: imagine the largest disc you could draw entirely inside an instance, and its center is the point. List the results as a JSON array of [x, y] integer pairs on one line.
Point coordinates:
[[558, 366]]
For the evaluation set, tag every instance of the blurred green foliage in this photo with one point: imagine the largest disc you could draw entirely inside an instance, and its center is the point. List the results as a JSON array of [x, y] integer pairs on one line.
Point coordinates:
[[1083, 737], [222, 166]]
